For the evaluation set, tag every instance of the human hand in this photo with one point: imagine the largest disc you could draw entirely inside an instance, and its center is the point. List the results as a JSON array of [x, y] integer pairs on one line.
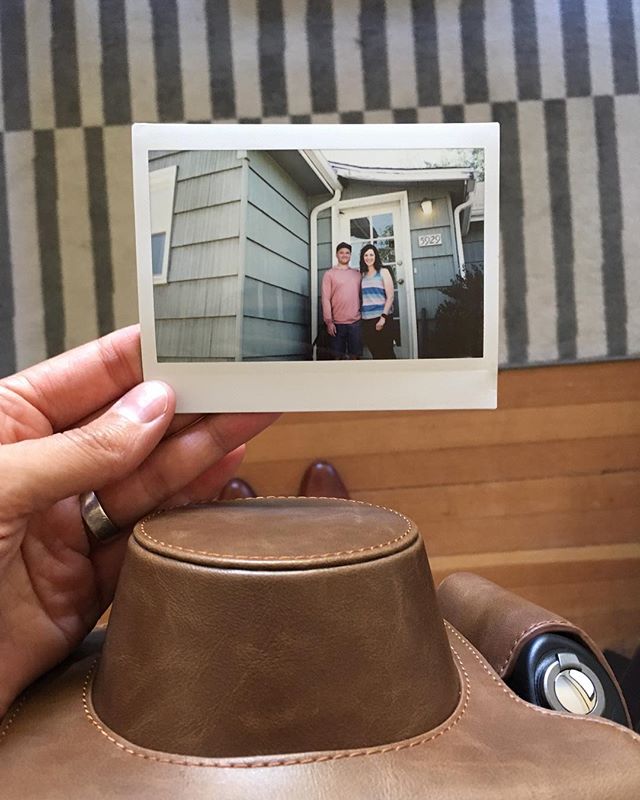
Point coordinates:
[[331, 328], [380, 324], [61, 434]]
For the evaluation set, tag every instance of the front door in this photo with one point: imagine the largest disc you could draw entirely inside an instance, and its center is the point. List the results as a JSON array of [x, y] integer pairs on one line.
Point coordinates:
[[385, 224]]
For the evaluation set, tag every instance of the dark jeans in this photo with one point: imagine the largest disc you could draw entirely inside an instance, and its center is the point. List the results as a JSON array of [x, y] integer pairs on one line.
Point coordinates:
[[380, 343], [347, 343]]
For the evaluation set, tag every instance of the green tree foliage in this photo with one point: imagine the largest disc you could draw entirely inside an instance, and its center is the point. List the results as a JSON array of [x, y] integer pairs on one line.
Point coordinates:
[[461, 157]]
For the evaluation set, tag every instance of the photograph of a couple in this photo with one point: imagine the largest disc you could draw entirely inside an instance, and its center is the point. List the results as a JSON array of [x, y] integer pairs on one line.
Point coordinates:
[[317, 255], [357, 305]]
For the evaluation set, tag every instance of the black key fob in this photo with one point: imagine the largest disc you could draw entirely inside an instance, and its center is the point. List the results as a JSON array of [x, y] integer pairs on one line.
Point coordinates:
[[554, 671]]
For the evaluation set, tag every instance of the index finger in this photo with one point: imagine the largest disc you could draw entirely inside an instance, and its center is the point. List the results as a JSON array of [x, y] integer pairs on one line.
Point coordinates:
[[75, 384]]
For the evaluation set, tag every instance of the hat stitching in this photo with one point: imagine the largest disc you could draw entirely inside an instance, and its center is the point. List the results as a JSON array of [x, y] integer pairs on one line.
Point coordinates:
[[7, 723], [546, 712], [278, 558], [466, 692], [522, 634]]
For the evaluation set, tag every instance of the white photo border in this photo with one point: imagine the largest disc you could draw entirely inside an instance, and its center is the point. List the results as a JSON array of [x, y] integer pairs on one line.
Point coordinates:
[[203, 387]]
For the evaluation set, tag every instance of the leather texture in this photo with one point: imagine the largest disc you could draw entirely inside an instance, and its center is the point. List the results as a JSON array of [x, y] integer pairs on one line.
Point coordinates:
[[493, 747], [322, 479], [499, 623], [276, 648], [196, 645], [273, 533]]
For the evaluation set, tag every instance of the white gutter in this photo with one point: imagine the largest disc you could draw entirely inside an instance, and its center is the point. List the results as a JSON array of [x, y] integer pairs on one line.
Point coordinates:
[[456, 223], [401, 174], [322, 168], [313, 223]]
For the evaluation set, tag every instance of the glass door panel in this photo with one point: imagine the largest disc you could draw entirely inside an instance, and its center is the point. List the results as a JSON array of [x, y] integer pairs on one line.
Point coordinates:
[[381, 225]]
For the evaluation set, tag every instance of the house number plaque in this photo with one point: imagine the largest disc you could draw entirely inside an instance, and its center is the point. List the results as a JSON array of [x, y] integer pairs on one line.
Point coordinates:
[[430, 239]]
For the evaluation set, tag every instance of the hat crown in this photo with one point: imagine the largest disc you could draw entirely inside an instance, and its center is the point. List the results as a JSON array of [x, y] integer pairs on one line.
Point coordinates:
[[274, 626]]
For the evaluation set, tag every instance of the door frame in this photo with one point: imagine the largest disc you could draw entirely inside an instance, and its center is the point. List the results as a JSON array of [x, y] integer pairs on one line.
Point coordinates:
[[403, 236]]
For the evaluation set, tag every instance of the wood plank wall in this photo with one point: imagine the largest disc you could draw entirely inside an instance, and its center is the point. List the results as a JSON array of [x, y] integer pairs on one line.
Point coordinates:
[[541, 496]]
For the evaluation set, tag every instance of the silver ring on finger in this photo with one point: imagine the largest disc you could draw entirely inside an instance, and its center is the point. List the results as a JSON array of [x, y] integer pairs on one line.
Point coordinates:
[[99, 526]]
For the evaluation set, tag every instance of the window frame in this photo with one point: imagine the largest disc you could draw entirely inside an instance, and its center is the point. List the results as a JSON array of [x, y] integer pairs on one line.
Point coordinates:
[[162, 190]]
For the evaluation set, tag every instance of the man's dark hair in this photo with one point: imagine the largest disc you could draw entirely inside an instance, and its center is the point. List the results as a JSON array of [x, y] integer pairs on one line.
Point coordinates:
[[343, 244]]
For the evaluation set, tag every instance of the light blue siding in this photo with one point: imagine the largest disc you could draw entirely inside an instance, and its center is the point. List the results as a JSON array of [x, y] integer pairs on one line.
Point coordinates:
[[212, 297], [206, 191], [326, 256], [282, 339], [195, 310], [264, 301], [205, 260], [271, 202], [201, 339], [194, 163], [473, 245], [271, 234], [324, 234], [276, 320], [263, 264], [263, 165], [435, 273], [206, 225]]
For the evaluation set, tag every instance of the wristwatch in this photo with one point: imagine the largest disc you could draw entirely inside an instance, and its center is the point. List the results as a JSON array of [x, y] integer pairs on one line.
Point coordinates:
[[385, 316]]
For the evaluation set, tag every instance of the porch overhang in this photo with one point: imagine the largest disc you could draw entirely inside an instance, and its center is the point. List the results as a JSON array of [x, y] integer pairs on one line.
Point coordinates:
[[355, 172], [308, 169], [322, 169], [413, 175]]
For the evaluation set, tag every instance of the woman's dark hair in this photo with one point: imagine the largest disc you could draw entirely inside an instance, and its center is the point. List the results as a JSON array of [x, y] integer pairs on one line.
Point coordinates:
[[377, 264]]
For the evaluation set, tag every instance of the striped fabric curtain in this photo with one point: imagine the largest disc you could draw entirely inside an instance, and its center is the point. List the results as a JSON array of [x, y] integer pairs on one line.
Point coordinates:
[[561, 76]]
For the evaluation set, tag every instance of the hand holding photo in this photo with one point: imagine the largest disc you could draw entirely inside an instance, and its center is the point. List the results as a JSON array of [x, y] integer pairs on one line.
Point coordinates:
[[287, 267]]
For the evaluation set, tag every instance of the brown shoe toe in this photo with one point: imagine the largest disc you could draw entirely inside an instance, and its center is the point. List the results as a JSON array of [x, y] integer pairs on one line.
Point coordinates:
[[322, 479], [236, 489]]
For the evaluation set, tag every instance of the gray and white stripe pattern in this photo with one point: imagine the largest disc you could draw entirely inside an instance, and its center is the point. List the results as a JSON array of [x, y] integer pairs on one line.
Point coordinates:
[[561, 76]]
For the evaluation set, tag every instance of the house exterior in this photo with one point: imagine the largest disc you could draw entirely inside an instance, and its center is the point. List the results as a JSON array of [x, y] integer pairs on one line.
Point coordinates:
[[241, 239]]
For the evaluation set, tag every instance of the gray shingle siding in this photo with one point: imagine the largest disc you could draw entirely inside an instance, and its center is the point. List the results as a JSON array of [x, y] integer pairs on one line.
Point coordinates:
[[195, 310], [276, 321]]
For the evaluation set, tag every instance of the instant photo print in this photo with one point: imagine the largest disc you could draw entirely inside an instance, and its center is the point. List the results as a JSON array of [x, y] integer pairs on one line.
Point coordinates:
[[319, 267]]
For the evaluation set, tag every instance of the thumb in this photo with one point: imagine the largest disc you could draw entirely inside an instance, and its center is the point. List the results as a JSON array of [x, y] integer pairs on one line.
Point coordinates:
[[39, 472]]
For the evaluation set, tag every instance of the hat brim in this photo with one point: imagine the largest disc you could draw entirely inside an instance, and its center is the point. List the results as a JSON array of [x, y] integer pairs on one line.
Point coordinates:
[[494, 745]]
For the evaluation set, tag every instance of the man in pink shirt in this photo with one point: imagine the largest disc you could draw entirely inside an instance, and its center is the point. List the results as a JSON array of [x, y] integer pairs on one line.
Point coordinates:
[[341, 305]]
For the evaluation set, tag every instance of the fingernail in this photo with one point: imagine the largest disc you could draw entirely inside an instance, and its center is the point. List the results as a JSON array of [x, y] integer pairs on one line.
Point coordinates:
[[144, 403]]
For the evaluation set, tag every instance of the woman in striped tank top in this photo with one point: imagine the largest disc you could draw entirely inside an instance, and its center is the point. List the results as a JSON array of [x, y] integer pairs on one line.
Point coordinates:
[[377, 303]]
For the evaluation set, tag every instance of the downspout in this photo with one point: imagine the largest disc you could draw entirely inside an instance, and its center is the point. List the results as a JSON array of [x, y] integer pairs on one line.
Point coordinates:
[[313, 222], [457, 212]]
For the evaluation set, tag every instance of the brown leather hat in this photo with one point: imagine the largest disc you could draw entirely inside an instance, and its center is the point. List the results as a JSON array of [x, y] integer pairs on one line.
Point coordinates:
[[293, 648]]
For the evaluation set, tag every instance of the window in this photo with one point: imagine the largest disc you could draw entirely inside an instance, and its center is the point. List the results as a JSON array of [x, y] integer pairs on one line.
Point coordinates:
[[162, 184], [376, 229], [157, 253]]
